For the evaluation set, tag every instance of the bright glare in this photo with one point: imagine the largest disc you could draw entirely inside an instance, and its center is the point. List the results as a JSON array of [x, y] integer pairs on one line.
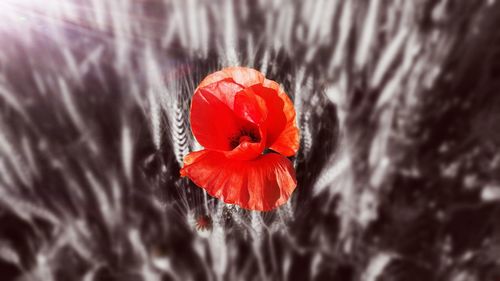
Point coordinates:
[[18, 13]]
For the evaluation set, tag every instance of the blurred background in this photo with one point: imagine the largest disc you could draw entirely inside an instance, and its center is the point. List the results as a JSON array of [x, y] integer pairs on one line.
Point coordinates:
[[398, 172]]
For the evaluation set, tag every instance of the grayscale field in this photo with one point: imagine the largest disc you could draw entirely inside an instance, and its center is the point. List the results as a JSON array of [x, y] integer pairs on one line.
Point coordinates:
[[398, 104]]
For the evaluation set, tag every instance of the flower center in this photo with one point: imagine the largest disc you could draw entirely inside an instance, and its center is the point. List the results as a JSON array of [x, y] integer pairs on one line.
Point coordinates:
[[245, 134], [245, 138]]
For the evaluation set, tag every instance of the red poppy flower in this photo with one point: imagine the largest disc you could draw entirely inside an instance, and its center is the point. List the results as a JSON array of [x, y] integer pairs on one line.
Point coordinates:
[[247, 125]]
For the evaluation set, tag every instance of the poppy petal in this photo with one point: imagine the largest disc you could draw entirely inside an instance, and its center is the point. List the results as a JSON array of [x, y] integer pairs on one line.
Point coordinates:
[[242, 75], [224, 90], [261, 99], [250, 106], [213, 122], [243, 101], [287, 142], [234, 125], [191, 158], [274, 105], [261, 184]]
